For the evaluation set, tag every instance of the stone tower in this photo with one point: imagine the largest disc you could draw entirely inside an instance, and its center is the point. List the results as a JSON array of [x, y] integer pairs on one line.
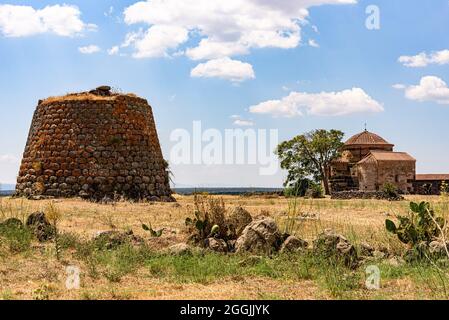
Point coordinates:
[[94, 144]]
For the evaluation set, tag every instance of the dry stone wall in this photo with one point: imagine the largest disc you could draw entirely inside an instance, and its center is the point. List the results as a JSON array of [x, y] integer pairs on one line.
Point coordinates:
[[94, 145]]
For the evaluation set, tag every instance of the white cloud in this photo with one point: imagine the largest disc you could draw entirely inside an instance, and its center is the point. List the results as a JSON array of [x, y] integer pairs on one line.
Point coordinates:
[[156, 41], [21, 21], [340, 103], [225, 28], [243, 123], [424, 59], [313, 43], [398, 86], [430, 88], [89, 49], [224, 68], [113, 51], [8, 158], [239, 121]]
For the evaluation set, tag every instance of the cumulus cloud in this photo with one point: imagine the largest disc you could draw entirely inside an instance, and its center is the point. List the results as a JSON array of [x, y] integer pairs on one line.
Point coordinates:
[[89, 49], [424, 59], [430, 88], [22, 21], [224, 68], [217, 29], [156, 41], [340, 103]]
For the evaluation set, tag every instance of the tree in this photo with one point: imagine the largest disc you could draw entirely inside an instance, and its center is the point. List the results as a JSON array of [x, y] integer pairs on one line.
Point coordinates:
[[309, 156]]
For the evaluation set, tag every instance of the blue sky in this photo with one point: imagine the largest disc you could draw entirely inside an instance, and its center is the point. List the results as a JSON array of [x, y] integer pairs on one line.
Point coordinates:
[[322, 68]]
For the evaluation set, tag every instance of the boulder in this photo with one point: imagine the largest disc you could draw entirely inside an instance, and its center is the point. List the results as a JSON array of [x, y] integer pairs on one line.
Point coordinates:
[[217, 245], [366, 250], [437, 248], [180, 249], [237, 222], [261, 235], [42, 229], [110, 240], [396, 261], [293, 244], [332, 245]]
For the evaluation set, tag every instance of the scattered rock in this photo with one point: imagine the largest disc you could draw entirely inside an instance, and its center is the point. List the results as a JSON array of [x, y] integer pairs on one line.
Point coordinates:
[[40, 227], [330, 244], [308, 216], [237, 222], [366, 250], [437, 248], [217, 245], [293, 244], [180, 249], [110, 240], [396, 261], [378, 255], [261, 235]]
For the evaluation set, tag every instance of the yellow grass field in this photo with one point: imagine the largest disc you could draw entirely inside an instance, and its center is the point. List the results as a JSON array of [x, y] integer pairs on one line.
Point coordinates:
[[35, 273]]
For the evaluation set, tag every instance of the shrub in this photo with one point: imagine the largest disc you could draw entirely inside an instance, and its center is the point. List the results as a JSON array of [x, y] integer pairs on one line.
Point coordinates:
[[153, 233], [390, 191], [419, 226], [209, 219], [298, 189], [315, 191]]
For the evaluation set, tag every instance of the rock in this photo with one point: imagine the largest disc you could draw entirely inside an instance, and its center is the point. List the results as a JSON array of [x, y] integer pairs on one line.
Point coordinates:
[[217, 245], [378, 255], [396, 261], [237, 222], [104, 88], [250, 261], [261, 235], [437, 248], [366, 250], [110, 240], [180, 249], [330, 244], [40, 227], [293, 244]]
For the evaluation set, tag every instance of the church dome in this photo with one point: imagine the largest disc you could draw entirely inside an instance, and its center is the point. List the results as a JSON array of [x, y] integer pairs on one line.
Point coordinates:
[[367, 138]]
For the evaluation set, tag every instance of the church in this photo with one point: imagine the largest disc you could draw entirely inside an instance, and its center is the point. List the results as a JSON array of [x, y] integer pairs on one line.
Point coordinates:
[[368, 162]]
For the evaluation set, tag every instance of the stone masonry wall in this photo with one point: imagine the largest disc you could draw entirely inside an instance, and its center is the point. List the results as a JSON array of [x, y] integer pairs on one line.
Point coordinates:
[[94, 146]]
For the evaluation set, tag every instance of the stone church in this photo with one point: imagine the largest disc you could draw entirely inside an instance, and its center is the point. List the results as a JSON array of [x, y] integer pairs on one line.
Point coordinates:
[[368, 162]]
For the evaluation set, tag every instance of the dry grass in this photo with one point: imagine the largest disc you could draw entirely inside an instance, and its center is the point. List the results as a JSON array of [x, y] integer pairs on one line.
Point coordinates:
[[84, 96], [23, 275]]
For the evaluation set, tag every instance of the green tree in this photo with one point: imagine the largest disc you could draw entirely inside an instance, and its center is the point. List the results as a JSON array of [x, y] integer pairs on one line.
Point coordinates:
[[309, 156]]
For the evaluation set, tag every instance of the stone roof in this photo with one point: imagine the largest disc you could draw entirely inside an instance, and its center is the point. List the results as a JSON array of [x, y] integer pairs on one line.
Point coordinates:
[[367, 138], [432, 177], [376, 155]]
